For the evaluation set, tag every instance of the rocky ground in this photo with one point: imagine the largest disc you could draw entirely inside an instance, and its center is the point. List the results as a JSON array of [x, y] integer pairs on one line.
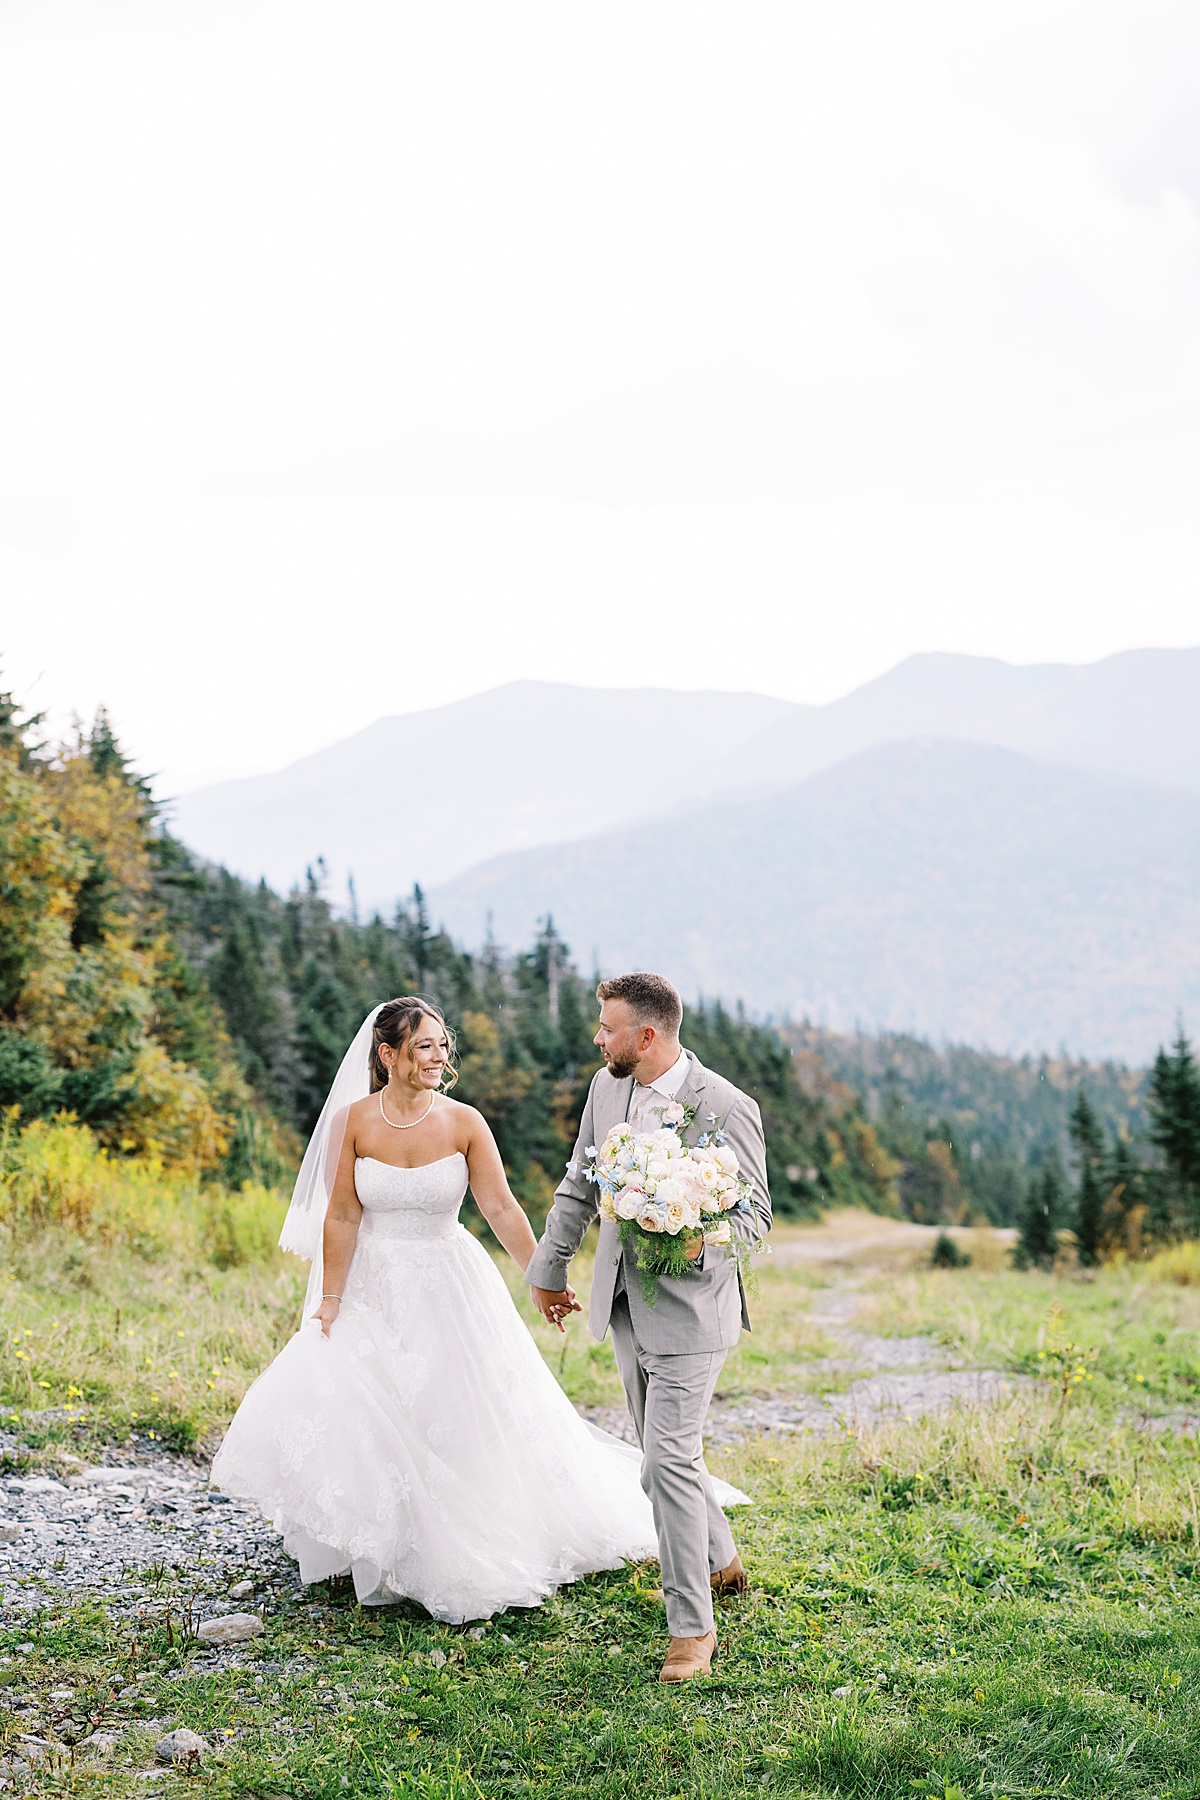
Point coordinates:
[[122, 1528]]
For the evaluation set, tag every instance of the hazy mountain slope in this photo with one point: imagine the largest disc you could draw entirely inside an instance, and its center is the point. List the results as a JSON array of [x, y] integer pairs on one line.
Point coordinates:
[[1135, 715], [936, 887], [427, 795], [422, 795]]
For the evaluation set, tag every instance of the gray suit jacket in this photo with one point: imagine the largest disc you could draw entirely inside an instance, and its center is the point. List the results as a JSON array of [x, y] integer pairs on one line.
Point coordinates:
[[703, 1310]]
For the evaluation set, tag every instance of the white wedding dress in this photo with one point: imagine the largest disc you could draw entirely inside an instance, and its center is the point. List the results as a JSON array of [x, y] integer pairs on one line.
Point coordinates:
[[424, 1445]]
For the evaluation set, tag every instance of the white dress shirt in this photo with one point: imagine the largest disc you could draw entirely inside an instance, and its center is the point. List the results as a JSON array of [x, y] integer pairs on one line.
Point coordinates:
[[648, 1096]]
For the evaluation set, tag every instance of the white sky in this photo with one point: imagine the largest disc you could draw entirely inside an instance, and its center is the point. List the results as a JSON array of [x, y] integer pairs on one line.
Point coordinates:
[[355, 357]]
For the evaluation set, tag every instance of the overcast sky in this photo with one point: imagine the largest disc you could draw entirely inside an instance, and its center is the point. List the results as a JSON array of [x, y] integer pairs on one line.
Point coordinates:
[[355, 357]]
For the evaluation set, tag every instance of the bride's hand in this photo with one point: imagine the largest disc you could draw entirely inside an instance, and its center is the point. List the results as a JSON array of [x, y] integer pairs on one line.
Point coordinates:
[[327, 1312]]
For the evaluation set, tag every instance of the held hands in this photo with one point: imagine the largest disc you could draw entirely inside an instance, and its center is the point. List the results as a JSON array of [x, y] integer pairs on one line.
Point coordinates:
[[327, 1312], [555, 1306]]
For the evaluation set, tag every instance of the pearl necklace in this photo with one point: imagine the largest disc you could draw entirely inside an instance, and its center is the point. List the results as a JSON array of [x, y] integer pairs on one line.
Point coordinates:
[[413, 1122]]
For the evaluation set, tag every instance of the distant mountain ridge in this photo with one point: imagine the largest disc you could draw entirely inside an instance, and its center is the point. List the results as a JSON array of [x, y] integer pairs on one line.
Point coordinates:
[[1135, 715], [427, 795], [951, 890], [421, 796]]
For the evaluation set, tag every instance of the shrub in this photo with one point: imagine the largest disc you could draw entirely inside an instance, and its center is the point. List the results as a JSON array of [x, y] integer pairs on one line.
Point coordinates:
[[1180, 1264], [54, 1174], [947, 1255]]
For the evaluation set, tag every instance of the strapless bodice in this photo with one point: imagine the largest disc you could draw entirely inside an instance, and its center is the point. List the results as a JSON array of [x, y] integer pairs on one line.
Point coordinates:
[[410, 1203]]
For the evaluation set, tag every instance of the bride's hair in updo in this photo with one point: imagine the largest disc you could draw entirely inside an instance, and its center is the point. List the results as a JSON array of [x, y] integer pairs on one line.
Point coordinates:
[[395, 1024]]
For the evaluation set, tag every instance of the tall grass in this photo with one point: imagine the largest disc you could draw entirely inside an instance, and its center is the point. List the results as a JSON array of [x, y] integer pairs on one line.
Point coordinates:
[[133, 1297]]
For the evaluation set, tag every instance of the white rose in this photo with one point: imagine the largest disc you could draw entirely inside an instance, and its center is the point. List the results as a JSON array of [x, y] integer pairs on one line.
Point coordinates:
[[718, 1234], [673, 1114], [650, 1218], [725, 1157], [676, 1217], [706, 1172], [629, 1202]]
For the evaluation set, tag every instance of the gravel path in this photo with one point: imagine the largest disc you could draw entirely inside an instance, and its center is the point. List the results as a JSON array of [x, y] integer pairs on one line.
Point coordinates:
[[98, 1531]]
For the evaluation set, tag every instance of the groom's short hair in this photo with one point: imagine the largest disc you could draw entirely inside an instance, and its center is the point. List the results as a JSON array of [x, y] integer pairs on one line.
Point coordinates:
[[650, 998]]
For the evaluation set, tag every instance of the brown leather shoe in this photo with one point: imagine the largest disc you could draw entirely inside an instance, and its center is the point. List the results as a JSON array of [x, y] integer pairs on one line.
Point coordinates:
[[690, 1656], [732, 1580]]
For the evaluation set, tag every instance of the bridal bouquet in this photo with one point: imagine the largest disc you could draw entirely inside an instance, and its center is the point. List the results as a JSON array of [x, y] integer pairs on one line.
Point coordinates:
[[663, 1195]]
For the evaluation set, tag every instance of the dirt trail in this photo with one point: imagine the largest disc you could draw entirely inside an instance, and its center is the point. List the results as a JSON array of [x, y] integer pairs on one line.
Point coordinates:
[[896, 1377]]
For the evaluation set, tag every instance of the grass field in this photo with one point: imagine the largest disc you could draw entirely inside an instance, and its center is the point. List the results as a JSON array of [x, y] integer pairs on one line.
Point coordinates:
[[1000, 1601]]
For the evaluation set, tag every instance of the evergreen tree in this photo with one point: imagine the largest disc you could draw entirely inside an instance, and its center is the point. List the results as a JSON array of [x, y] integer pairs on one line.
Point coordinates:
[[15, 730], [1037, 1245], [1088, 1140], [1175, 1130], [1124, 1202]]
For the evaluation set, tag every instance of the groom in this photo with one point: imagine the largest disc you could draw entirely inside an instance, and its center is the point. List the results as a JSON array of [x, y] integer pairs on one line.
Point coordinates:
[[669, 1355]]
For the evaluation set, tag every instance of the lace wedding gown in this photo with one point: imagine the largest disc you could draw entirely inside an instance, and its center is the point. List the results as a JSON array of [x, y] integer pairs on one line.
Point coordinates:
[[424, 1444]]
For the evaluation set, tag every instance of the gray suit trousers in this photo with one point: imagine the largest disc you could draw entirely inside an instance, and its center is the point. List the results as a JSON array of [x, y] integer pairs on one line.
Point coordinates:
[[668, 1399]]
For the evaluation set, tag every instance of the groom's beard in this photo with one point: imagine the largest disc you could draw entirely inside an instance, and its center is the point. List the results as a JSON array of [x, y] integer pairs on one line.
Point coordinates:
[[621, 1066]]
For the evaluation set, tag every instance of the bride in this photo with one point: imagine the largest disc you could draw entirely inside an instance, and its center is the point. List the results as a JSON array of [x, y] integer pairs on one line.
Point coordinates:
[[410, 1432]]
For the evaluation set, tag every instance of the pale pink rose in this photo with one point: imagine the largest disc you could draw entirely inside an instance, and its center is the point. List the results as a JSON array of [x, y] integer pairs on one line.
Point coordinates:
[[673, 1114], [726, 1159], [630, 1199], [650, 1218], [718, 1234]]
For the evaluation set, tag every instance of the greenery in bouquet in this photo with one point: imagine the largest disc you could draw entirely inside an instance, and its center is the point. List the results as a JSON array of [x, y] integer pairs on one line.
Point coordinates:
[[666, 1196]]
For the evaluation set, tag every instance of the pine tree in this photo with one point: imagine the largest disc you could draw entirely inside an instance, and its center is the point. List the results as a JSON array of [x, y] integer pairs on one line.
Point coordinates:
[[1124, 1202], [1175, 1129], [15, 730], [1089, 1148], [1037, 1245]]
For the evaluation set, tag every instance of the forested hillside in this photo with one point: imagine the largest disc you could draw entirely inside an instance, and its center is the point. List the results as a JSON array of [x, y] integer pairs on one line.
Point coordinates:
[[191, 1018], [182, 1013], [969, 1127]]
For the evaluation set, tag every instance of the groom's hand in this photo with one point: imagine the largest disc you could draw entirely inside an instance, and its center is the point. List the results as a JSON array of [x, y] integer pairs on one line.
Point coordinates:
[[555, 1306]]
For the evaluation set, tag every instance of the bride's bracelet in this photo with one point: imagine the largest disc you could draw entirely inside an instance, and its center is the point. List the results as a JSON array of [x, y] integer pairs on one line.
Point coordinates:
[[331, 1296]]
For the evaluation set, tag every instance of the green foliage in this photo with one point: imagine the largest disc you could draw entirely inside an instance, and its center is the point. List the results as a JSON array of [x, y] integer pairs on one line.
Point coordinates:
[[1041, 1217], [966, 1126], [1088, 1140], [822, 1151], [947, 1255], [1175, 1132]]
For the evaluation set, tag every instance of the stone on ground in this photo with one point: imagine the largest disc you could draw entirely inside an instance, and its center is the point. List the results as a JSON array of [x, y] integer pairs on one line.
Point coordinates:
[[234, 1628], [180, 1746]]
